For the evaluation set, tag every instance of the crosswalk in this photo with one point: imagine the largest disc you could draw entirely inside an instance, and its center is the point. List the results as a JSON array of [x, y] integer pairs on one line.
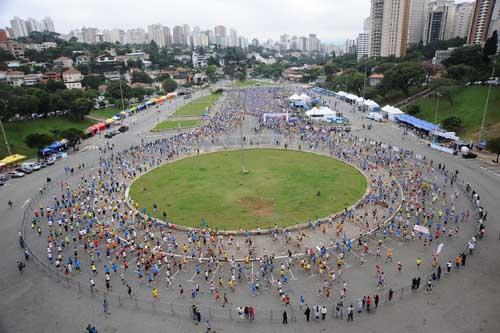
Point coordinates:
[[490, 167]]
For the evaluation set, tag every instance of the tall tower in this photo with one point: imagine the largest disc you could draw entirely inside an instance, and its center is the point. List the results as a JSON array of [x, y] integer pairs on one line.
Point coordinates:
[[481, 20]]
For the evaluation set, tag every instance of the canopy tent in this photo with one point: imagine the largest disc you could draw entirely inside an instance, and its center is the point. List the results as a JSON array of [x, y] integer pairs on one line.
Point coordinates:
[[12, 159], [321, 111], [371, 105], [305, 98], [110, 121], [2, 165], [447, 135], [416, 122], [391, 112], [295, 97], [47, 151]]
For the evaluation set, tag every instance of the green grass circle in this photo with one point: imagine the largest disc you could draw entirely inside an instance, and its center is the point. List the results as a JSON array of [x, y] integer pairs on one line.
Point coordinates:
[[280, 188]]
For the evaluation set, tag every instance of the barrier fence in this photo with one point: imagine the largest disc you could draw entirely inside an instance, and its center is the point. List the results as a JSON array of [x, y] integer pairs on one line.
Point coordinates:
[[184, 310]]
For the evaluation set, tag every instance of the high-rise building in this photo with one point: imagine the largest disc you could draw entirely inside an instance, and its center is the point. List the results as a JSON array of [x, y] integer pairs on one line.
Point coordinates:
[[481, 20], [18, 27], [178, 37], [463, 19], [395, 28], [210, 36], [135, 36], [187, 34], [33, 25], [314, 43], [495, 22], [89, 35], [416, 21], [366, 24], [376, 20], [159, 34], [48, 24], [362, 45], [233, 37], [439, 21], [303, 44], [220, 30]]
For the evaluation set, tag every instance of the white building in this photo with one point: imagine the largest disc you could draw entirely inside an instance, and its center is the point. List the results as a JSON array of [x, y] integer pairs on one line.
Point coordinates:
[[73, 79], [48, 24], [416, 21], [439, 21], [362, 45], [19, 28], [463, 19], [159, 34], [199, 60], [135, 36], [233, 37], [63, 62]]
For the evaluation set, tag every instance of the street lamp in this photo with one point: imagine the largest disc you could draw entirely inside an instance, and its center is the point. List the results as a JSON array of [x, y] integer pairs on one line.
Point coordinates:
[[487, 100], [1, 126], [120, 81]]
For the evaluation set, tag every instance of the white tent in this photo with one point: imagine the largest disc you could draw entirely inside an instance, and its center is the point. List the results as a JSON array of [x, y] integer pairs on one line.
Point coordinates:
[[295, 97], [321, 113], [305, 98], [391, 112], [371, 105]]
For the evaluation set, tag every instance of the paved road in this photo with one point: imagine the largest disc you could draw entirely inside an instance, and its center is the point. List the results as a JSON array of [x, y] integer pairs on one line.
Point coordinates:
[[468, 302]]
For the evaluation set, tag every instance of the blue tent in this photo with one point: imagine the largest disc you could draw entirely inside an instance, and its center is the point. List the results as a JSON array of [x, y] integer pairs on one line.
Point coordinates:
[[417, 123], [46, 151], [56, 145]]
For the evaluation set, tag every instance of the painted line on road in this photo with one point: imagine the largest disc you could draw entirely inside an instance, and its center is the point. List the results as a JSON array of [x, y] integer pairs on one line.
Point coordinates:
[[26, 202]]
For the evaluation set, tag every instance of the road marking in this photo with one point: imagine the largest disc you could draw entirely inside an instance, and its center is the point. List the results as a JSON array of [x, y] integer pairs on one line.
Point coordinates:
[[26, 202], [215, 272], [192, 277], [291, 274]]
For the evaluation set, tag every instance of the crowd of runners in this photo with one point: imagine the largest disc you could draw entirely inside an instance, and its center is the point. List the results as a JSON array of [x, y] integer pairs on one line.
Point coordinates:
[[92, 233]]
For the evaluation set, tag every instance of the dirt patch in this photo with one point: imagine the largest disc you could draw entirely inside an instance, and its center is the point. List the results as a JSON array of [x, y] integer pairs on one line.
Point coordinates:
[[256, 206]]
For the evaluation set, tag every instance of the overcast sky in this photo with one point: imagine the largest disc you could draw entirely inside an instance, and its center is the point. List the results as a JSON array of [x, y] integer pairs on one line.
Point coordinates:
[[331, 20]]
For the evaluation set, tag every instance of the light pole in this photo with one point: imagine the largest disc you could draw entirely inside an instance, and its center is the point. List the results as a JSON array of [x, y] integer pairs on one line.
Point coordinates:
[[487, 100], [364, 80], [3, 131], [121, 91], [436, 116]]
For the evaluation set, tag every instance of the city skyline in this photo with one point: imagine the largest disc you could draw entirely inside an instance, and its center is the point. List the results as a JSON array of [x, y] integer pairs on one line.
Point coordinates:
[[319, 17]]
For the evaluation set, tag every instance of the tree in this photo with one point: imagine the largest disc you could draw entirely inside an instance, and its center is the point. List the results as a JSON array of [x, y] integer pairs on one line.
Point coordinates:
[[210, 71], [141, 77], [93, 81], [452, 124], [113, 90], [403, 76], [462, 73], [413, 109], [55, 85], [79, 108], [5, 55], [493, 145], [169, 85], [491, 45], [73, 135], [38, 140]]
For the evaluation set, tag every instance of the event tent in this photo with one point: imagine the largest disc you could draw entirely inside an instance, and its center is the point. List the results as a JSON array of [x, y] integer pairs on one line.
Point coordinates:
[[416, 122], [391, 112], [305, 98], [12, 159], [295, 97], [321, 113]]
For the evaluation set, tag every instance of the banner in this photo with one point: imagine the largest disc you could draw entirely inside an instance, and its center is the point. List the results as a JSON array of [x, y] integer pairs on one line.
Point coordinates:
[[421, 229]]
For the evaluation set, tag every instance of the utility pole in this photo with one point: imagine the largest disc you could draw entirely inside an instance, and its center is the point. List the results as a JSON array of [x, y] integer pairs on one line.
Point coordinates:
[[3, 130], [481, 132], [436, 116], [364, 80], [121, 91]]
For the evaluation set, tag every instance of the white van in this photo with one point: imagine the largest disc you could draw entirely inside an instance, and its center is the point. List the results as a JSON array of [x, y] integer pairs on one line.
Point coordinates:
[[32, 166]]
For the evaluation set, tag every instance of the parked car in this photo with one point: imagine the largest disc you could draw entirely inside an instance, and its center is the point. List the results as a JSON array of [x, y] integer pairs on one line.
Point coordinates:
[[24, 170], [50, 161], [15, 174], [123, 129], [110, 134]]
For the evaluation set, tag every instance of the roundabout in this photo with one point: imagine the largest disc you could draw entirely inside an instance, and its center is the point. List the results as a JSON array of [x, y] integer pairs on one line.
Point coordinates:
[[100, 232], [282, 188]]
